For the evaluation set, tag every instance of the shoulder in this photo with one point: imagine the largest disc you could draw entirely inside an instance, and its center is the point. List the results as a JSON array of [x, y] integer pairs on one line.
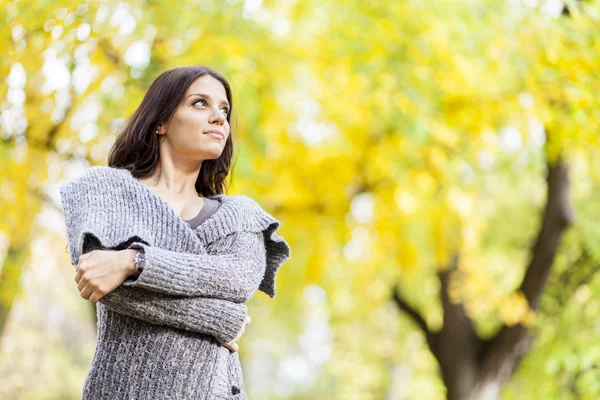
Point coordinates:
[[94, 180], [104, 172], [97, 173], [90, 186]]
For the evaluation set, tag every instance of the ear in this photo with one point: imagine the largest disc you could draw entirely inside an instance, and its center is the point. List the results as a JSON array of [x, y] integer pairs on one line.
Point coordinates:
[[160, 130]]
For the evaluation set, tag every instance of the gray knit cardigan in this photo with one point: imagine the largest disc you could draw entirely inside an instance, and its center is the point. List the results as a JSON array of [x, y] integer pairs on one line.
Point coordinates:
[[161, 336]]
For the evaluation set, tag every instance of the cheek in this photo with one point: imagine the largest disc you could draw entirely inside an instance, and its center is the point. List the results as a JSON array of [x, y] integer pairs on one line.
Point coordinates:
[[191, 118], [187, 125]]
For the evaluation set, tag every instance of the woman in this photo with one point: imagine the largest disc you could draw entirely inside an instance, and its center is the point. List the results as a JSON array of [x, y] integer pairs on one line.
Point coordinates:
[[167, 258]]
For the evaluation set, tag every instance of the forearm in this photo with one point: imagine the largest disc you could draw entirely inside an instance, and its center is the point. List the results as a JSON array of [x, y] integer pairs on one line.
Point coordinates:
[[234, 274], [221, 319]]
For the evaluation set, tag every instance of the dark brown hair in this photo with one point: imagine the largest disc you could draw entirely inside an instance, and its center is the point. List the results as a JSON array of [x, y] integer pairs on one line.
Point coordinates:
[[137, 146]]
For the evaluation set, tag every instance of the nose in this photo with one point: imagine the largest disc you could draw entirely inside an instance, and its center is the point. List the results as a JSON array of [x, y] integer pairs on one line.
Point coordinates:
[[217, 116]]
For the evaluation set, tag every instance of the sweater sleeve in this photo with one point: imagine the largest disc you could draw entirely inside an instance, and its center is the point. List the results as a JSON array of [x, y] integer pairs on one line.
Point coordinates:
[[233, 274], [219, 318]]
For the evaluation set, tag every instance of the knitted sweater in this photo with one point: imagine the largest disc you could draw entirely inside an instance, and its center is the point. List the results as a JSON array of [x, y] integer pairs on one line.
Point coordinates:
[[209, 207], [161, 336]]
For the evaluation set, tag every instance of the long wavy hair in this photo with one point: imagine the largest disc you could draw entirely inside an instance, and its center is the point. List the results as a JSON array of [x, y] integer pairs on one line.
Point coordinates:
[[137, 145]]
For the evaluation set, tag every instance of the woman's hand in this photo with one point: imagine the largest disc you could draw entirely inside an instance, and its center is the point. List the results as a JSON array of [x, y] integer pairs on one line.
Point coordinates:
[[101, 271], [233, 346]]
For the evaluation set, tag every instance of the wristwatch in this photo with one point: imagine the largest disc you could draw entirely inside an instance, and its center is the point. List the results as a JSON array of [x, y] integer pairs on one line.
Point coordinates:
[[136, 263]]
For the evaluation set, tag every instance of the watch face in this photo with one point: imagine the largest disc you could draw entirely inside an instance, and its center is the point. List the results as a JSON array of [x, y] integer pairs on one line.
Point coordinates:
[[137, 260]]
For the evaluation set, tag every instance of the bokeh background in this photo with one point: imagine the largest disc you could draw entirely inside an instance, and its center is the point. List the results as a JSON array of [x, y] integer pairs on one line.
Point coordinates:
[[434, 164]]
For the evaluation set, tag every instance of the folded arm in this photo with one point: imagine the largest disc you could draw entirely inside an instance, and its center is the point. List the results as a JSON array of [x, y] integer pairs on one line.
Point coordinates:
[[221, 319], [233, 274]]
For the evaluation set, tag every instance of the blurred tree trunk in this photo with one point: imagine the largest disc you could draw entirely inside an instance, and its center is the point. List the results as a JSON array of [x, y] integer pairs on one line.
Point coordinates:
[[10, 277], [473, 368]]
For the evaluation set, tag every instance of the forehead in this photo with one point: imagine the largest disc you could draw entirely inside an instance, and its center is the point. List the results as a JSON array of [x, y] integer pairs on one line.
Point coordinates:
[[208, 85]]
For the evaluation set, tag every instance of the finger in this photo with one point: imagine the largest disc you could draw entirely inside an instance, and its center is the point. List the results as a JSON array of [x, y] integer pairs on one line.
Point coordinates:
[[249, 320], [86, 292], [82, 284], [95, 297], [230, 346]]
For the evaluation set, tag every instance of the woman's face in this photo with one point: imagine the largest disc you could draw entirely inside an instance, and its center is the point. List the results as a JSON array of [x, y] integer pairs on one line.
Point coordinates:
[[204, 107]]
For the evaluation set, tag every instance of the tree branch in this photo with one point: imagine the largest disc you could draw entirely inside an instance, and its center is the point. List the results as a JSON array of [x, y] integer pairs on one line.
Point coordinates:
[[414, 314], [502, 354], [558, 215]]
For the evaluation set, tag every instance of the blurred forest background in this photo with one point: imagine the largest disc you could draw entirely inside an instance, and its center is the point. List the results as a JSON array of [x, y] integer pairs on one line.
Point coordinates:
[[434, 165]]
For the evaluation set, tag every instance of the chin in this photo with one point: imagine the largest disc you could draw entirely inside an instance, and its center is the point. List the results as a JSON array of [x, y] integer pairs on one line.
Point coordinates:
[[211, 156]]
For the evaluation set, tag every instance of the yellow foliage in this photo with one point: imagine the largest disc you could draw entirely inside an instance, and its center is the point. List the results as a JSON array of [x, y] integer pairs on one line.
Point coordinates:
[[406, 254], [515, 309], [407, 98]]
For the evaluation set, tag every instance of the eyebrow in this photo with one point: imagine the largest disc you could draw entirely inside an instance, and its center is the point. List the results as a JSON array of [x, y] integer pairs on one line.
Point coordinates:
[[207, 97]]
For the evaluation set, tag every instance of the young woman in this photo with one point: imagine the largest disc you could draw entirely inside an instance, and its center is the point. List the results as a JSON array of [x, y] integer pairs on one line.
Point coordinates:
[[165, 255]]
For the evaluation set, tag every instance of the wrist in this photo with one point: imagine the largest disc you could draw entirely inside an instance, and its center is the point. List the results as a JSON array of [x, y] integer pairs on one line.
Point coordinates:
[[131, 266]]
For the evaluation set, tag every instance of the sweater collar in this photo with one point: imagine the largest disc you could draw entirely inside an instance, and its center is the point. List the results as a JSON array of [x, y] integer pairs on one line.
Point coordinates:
[[220, 198], [235, 213]]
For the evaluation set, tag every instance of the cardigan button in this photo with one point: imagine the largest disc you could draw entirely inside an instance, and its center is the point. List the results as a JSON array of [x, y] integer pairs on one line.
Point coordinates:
[[235, 390]]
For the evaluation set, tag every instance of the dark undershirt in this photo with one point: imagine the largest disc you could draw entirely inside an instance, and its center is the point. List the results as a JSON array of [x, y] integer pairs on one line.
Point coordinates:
[[208, 209]]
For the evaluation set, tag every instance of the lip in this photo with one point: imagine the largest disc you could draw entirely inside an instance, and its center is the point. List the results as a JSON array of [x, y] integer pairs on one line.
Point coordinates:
[[214, 133]]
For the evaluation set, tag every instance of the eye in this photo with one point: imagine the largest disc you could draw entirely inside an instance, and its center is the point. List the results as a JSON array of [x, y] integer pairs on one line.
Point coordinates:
[[197, 101], [204, 101]]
